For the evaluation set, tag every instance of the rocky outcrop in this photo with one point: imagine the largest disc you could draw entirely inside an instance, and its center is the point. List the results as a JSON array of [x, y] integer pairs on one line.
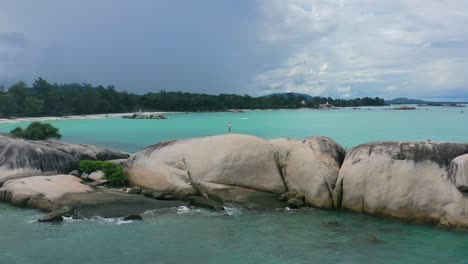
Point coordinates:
[[231, 169], [240, 169], [458, 172], [23, 158], [310, 167], [403, 180], [144, 116], [68, 195]]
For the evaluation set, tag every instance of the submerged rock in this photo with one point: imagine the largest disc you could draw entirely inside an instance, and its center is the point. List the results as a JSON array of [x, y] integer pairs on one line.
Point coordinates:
[[22, 158], [52, 217], [295, 203], [403, 180], [203, 202], [133, 218]]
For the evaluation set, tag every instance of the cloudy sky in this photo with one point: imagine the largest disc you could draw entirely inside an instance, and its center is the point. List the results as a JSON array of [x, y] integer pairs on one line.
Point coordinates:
[[346, 48]]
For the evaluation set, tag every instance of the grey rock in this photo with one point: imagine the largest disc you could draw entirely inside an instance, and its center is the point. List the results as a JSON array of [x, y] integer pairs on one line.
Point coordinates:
[[408, 180], [52, 217], [310, 167], [96, 176], [135, 190], [295, 203], [243, 168], [203, 202], [24, 158], [458, 172], [99, 182], [69, 196], [133, 218], [147, 193], [84, 176], [75, 173]]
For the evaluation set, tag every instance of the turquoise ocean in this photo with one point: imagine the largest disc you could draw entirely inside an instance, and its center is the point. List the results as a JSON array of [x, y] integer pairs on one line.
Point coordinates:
[[190, 235]]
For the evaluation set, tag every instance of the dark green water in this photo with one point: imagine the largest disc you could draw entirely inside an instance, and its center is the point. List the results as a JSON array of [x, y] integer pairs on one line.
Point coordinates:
[[198, 236]]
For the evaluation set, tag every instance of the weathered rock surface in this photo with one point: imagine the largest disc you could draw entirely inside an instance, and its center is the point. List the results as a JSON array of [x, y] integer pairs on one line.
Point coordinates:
[[310, 167], [75, 173], [52, 217], [96, 176], [23, 158], [403, 180], [67, 195], [237, 169], [458, 172], [44, 189]]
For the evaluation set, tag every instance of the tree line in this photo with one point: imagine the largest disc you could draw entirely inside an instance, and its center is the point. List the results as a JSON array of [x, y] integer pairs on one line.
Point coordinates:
[[43, 98]]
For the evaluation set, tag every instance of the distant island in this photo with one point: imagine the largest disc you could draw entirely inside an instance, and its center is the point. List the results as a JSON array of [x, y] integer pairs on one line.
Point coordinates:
[[44, 98], [421, 102]]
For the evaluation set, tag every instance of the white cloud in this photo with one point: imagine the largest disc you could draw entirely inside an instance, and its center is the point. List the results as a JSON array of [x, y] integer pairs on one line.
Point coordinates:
[[380, 48]]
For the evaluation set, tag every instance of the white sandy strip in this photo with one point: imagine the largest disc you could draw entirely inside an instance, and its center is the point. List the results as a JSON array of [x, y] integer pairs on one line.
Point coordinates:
[[51, 118]]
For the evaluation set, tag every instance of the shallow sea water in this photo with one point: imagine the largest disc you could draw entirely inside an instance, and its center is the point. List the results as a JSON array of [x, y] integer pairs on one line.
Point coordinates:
[[189, 235]]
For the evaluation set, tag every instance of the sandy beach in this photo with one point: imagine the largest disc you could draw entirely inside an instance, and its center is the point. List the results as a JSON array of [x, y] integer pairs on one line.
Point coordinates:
[[71, 117]]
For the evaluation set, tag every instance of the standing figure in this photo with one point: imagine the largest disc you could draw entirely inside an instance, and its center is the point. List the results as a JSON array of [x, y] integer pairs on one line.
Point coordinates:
[[229, 127]]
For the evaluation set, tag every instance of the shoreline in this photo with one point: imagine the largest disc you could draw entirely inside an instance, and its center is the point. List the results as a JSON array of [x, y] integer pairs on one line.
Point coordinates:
[[71, 117]]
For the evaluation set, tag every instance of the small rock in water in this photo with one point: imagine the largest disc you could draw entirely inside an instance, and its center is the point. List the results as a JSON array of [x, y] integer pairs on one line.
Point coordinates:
[[295, 203], [75, 173], [85, 176], [135, 190], [164, 196], [373, 239], [203, 202], [133, 218], [147, 193], [96, 176], [99, 182], [52, 217], [331, 223]]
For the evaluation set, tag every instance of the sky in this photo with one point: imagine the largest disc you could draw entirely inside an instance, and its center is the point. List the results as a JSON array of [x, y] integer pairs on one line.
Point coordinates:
[[342, 49]]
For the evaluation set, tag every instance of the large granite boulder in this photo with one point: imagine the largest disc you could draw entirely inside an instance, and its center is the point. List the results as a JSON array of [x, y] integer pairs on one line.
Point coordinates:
[[231, 169], [459, 172], [68, 195], [310, 167], [403, 180], [23, 158]]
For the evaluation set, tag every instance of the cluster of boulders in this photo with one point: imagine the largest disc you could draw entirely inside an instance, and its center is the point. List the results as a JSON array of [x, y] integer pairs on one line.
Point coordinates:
[[96, 177], [144, 116], [422, 181], [235, 111]]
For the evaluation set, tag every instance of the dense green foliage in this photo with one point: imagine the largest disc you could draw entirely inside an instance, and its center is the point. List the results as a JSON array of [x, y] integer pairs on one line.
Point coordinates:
[[53, 99], [113, 173], [37, 131], [90, 166]]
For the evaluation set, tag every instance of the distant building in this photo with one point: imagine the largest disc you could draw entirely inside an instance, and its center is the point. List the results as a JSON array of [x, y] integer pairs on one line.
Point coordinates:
[[303, 102], [326, 106]]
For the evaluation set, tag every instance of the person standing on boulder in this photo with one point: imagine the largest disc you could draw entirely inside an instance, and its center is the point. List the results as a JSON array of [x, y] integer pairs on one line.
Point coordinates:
[[229, 127]]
